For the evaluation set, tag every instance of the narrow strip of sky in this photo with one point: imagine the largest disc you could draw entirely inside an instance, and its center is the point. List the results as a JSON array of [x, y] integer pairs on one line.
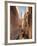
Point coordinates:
[[22, 9]]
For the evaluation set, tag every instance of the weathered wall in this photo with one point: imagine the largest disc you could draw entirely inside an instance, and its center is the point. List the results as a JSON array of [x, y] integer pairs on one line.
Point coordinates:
[[13, 21], [28, 22]]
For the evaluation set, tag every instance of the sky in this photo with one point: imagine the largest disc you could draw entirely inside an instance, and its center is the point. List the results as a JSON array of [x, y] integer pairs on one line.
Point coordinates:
[[21, 9]]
